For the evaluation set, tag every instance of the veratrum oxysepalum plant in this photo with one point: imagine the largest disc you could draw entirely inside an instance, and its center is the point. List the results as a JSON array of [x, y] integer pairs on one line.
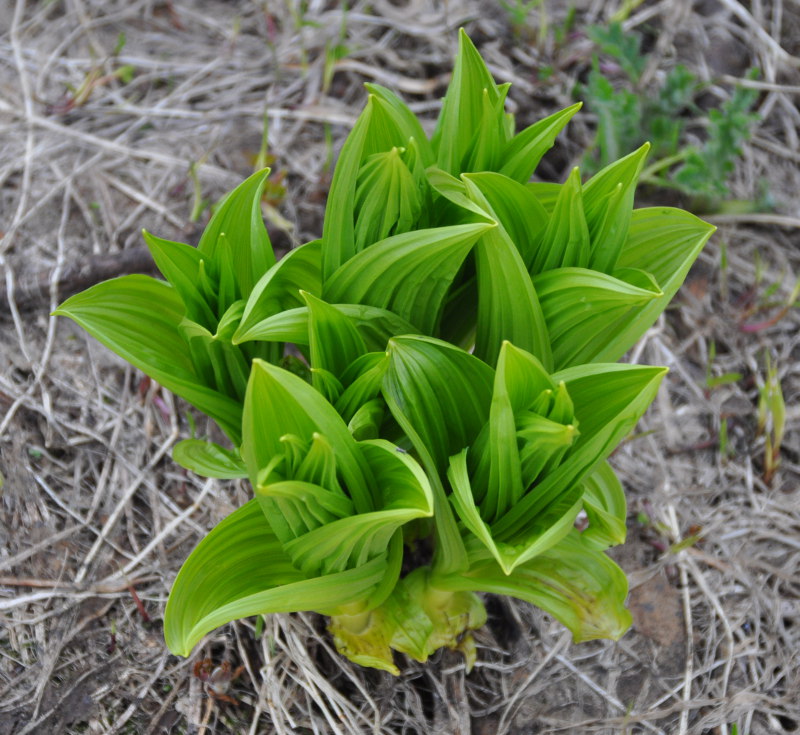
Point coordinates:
[[424, 399]]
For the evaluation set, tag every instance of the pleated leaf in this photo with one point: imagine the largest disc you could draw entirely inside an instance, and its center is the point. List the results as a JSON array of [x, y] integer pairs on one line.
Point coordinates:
[[376, 326], [516, 208], [388, 199], [363, 379], [239, 570], [608, 205], [508, 308], [605, 506], [578, 585], [584, 308], [407, 122], [463, 106], [523, 152], [333, 338], [278, 403], [565, 242], [404, 494], [138, 317], [439, 394], [551, 523], [208, 459], [489, 137], [180, 265], [407, 274], [379, 128], [239, 219], [608, 401], [279, 289], [663, 242]]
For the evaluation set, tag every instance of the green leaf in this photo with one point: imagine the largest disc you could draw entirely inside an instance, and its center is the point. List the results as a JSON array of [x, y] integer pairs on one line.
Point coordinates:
[[663, 242], [338, 229], [584, 309], [224, 366], [440, 396], [504, 481], [366, 421], [608, 204], [403, 494], [605, 506], [495, 461], [516, 208], [279, 289], [333, 338], [524, 151], [490, 134], [378, 129], [278, 403], [609, 399], [388, 199], [407, 274], [363, 379], [579, 586], [463, 107], [549, 524], [180, 265], [565, 243], [455, 191], [239, 219], [407, 121], [546, 194], [209, 459], [138, 317], [376, 326], [508, 308], [240, 569]]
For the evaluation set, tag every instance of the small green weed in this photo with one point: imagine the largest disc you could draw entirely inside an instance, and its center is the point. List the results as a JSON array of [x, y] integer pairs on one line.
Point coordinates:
[[627, 116], [771, 419]]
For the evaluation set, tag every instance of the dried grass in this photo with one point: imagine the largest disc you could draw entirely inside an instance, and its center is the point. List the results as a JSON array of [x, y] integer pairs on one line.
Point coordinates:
[[97, 519]]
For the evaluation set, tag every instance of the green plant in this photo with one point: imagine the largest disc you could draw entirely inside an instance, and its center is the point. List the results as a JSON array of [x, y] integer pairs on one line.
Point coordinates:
[[518, 12], [771, 419], [626, 116], [424, 399]]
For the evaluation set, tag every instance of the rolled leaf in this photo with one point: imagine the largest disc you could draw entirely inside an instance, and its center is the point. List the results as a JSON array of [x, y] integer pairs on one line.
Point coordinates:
[[280, 403], [609, 399], [565, 242], [508, 308], [524, 151], [239, 219], [608, 204], [463, 106]]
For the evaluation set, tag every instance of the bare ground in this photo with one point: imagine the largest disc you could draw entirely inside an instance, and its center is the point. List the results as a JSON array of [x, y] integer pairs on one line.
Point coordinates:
[[96, 519]]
